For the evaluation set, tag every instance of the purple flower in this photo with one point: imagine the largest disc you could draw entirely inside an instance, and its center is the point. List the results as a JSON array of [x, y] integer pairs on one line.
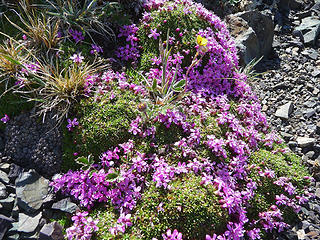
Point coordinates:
[[96, 49], [77, 58], [72, 123], [5, 119], [76, 35], [153, 34]]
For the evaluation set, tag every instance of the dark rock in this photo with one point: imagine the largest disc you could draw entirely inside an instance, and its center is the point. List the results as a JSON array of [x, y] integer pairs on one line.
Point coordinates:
[[51, 231], [65, 205], [34, 145], [6, 205], [285, 110], [290, 234], [14, 172], [28, 223], [245, 39], [31, 190], [263, 27], [5, 224]]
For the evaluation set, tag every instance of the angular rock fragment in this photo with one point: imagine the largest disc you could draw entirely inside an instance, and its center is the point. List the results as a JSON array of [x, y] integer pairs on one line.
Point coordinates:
[[51, 231], [284, 111], [31, 190]]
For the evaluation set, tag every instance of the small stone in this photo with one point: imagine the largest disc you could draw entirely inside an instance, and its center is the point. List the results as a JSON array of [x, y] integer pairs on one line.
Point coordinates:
[[315, 73], [313, 234], [301, 234], [4, 177], [65, 205], [285, 110], [5, 167], [3, 191], [51, 231], [28, 224], [264, 108], [305, 141], [309, 113]]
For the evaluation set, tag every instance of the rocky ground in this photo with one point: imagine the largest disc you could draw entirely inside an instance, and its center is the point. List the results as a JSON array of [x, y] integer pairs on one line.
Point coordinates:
[[289, 90]]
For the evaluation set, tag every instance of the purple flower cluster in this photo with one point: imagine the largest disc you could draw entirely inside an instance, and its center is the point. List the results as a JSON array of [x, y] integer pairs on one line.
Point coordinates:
[[76, 35], [83, 227], [131, 50]]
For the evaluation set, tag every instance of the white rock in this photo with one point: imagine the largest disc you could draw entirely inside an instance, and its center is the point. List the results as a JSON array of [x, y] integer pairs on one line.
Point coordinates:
[[305, 141]]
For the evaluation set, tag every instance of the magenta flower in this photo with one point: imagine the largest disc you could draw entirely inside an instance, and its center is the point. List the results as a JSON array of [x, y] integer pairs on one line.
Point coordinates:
[[153, 34], [175, 235], [5, 119]]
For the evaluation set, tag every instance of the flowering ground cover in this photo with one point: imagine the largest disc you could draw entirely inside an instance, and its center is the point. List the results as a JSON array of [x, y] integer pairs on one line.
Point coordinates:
[[172, 144]]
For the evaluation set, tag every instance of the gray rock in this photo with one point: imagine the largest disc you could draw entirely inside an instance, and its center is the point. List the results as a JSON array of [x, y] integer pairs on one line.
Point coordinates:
[[310, 29], [31, 190], [285, 110], [28, 224], [6, 205], [246, 39], [310, 53], [4, 177], [309, 113], [315, 73], [305, 141], [5, 224], [51, 231], [253, 37], [3, 191], [65, 205]]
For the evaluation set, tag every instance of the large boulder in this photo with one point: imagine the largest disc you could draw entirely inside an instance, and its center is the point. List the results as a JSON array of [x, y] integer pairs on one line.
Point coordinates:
[[253, 33]]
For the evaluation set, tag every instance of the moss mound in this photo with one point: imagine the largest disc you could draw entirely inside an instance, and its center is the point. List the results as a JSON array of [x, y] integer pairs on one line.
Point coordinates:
[[105, 123], [188, 206]]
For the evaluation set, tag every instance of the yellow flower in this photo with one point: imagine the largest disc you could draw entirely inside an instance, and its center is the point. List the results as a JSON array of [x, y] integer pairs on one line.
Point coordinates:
[[202, 42]]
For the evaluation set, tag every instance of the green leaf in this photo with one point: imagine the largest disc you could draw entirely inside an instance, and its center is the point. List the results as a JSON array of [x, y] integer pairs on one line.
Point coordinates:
[[112, 176], [180, 84], [154, 84], [82, 160], [10, 59]]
